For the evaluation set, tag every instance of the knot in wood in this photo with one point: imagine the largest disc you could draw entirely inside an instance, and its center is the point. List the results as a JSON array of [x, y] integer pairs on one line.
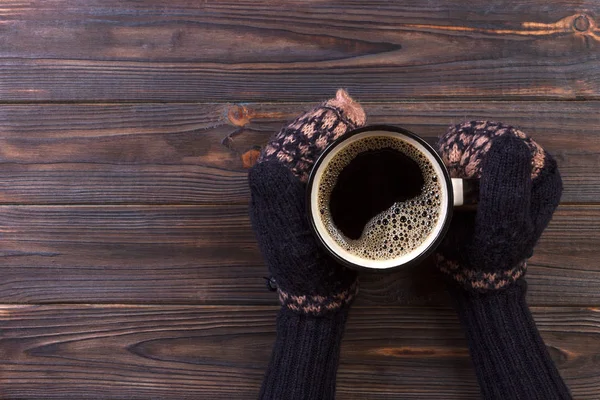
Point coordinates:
[[581, 23], [239, 115]]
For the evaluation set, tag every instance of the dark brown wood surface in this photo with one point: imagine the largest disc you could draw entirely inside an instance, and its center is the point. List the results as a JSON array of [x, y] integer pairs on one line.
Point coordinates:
[[128, 267], [181, 352], [191, 153], [267, 50], [208, 254]]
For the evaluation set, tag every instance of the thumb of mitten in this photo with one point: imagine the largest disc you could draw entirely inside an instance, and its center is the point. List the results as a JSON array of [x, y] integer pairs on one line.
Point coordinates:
[[503, 222]]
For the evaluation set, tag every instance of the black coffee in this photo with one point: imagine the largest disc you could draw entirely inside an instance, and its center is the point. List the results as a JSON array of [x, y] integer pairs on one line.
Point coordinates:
[[379, 198], [371, 183]]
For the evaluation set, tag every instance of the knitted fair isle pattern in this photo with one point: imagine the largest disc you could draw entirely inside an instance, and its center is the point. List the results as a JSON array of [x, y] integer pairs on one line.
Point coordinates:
[[299, 144]]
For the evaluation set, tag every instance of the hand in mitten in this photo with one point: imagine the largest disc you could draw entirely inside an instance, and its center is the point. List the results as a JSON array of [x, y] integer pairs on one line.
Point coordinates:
[[315, 291], [485, 254], [307, 280], [520, 188]]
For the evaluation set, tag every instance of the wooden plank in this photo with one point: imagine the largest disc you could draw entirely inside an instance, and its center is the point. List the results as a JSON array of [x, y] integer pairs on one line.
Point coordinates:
[[267, 50], [190, 153], [184, 352], [208, 255]]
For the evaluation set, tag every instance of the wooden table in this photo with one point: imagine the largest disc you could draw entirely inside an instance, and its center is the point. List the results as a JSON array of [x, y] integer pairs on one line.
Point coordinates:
[[128, 267]]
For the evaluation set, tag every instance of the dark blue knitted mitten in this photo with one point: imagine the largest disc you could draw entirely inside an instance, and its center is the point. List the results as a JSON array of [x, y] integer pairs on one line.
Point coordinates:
[[484, 256], [315, 291]]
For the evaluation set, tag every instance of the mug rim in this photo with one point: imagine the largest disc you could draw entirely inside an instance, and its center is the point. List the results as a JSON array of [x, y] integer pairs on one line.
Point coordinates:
[[388, 128]]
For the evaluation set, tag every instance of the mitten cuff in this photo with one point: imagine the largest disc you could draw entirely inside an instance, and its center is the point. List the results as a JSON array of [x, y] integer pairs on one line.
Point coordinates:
[[509, 355], [318, 305], [476, 280], [305, 357]]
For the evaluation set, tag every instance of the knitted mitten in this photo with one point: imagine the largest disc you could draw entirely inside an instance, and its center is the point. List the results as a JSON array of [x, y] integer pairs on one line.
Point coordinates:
[[315, 291], [484, 256]]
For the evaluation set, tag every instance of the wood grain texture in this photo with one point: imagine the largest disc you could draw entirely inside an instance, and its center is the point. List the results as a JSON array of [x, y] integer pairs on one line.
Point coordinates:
[[125, 127], [185, 352], [191, 153], [67, 50], [208, 255]]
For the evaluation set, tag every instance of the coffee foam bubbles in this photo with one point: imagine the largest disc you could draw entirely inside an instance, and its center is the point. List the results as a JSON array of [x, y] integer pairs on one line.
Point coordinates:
[[398, 230]]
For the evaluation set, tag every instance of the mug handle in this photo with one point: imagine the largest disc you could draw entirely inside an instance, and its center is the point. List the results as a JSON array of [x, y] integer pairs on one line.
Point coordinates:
[[466, 191]]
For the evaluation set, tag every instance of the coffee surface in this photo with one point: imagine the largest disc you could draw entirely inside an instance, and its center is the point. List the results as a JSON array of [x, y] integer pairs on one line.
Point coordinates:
[[371, 183], [379, 198]]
